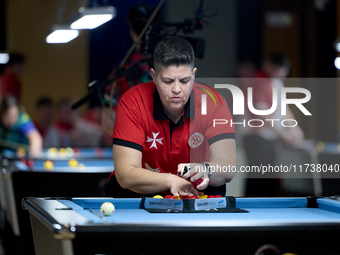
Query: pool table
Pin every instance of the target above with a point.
(305, 225)
(89, 153)
(18, 180)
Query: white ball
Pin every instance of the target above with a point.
(107, 208)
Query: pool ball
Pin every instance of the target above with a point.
(73, 163)
(197, 182)
(203, 197)
(107, 208)
(193, 197)
(30, 163)
(48, 165)
(21, 152)
(62, 153)
(186, 169)
(69, 152)
(76, 152)
(211, 196)
(52, 152)
(168, 197)
(99, 152)
(157, 196)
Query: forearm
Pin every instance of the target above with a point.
(222, 172)
(222, 162)
(35, 142)
(143, 181)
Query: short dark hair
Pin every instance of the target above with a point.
(43, 101)
(279, 59)
(7, 103)
(15, 58)
(173, 51)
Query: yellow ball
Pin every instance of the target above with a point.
(62, 153)
(157, 196)
(203, 197)
(48, 165)
(107, 208)
(21, 152)
(52, 152)
(73, 163)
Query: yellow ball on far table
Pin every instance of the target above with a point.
(73, 163)
(62, 153)
(48, 165)
(52, 152)
(21, 152)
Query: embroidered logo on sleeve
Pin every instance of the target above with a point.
(195, 140)
(154, 140)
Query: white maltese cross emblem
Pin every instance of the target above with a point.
(154, 140)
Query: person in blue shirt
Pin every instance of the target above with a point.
(17, 128)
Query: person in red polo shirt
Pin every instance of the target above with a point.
(10, 84)
(160, 127)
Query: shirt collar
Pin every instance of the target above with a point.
(159, 114)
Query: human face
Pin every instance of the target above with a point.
(10, 117)
(174, 85)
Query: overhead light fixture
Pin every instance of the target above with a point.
(4, 57)
(93, 17)
(62, 34)
(337, 63)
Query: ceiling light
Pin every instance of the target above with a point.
(4, 57)
(93, 17)
(61, 34)
(337, 62)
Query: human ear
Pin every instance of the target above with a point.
(153, 73)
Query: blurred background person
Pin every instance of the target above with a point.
(137, 18)
(16, 127)
(245, 68)
(259, 143)
(72, 130)
(44, 115)
(93, 116)
(10, 83)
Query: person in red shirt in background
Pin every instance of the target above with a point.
(72, 130)
(259, 142)
(93, 116)
(140, 73)
(44, 116)
(10, 84)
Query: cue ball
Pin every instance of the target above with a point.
(107, 208)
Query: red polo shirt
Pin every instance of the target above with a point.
(142, 124)
(10, 85)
